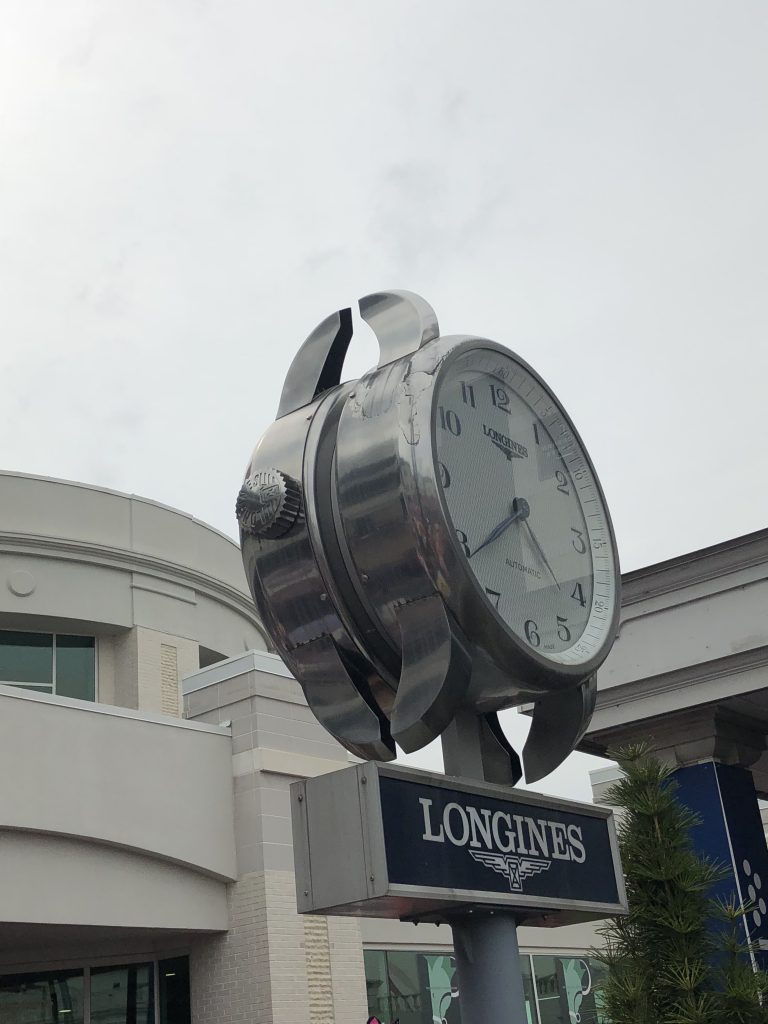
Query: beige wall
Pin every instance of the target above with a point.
(573, 939)
(53, 880)
(130, 814)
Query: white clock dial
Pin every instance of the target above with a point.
(525, 505)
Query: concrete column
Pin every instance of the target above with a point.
(274, 966)
(149, 666)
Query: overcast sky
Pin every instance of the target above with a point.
(187, 188)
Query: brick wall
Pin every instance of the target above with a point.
(169, 679)
(274, 966)
(229, 974)
(317, 955)
(347, 971)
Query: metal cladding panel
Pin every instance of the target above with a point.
(386, 841)
(301, 863)
(329, 841)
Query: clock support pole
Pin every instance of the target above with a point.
(488, 962)
(485, 941)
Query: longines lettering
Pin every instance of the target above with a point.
(500, 833)
(511, 448)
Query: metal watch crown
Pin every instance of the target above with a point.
(268, 504)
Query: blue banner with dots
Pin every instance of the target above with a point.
(732, 833)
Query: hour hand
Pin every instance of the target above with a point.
(520, 510)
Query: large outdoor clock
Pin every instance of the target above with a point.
(430, 544)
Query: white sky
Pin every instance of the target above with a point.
(187, 188)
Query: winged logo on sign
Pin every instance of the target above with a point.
(514, 869)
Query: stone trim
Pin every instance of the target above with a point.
(88, 553)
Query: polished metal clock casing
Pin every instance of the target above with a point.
(367, 593)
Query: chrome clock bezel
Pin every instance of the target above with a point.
(598, 527)
(442, 556)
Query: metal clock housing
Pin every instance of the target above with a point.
(370, 595)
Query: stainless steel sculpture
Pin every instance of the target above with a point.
(364, 582)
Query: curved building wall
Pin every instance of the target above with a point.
(116, 822)
(114, 818)
(163, 593)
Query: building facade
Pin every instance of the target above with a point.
(146, 867)
(332, 970)
(117, 843)
(148, 739)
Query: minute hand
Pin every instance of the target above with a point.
(541, 552)
(520, 510)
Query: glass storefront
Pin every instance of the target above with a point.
(412, 987)
(123, 995)
(116, 994)
(45, 998)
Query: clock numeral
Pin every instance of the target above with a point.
(562, 481)
(499, 397)
(463, 540)
(445, 476)
(493, 596)
(562, 629)
(450, 421)
(597, 543)
(531, 633)
(578, 541)
(578, 594)
(600, 605)
(467, 394)
(543, 438)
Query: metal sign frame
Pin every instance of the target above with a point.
(341, 863)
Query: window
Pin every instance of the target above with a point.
(119, 994)
(49, 663)
(376, 983)
(565, 987)
(423, 988)
(123, 995)
(48, 998)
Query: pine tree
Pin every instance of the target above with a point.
(741, 994)
(667, 962)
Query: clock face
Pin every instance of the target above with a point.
(525, 505)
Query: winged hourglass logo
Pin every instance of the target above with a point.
(514, 868)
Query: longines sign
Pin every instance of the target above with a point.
(395, 842)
